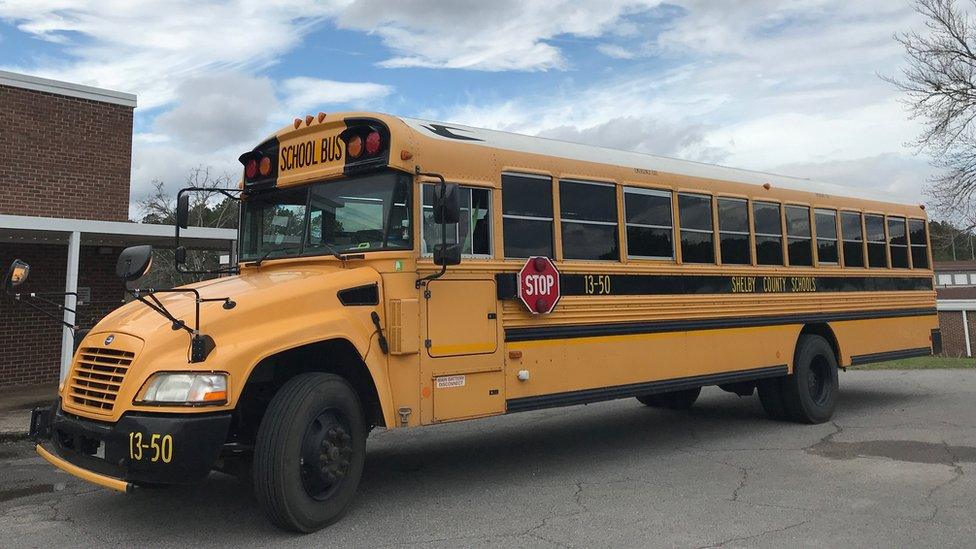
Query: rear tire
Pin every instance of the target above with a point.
(771, 397)
(674, 400)
(309, 453)
(810, 393)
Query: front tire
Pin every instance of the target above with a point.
(674, 400)
(309, 453)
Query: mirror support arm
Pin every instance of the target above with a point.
(423, 281)
(44, 311)
(229, 193)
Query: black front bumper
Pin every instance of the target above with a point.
(139, 448)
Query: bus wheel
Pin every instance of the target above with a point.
(675, 400)
(771, 397)
(810, 393)
(309, 452)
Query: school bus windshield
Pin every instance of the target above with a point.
(360, 214)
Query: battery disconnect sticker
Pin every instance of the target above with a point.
(446, 382)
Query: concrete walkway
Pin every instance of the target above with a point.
(16, 405)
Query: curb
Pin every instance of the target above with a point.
(13, 436)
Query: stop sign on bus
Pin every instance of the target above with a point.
(538, 285)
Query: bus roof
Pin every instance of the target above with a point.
(468, 135)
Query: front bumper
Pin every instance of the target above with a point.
(139, 448)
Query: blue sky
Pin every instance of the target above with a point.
(789, 86)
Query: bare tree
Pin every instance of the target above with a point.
(940, 84)
(207, 209)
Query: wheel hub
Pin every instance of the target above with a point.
(326, 454)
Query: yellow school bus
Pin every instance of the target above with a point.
(396, 272)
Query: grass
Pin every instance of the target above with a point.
(921, 363)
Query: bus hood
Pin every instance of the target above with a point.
(269, 303)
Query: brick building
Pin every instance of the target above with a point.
(65, 164)
(955, 286)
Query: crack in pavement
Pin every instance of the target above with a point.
(743, 479)
(723, 543)
(957, 473)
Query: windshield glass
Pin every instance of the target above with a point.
(360, 214)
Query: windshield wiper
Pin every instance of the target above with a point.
(329, 247)
(339, 255)
(257, 262)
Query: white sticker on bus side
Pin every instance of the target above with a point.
(446, 382)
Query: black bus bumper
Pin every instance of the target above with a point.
(139, 448)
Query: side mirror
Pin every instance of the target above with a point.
(447, 254)
(134, 262)
(447, 204)
(180, 255)
(182, 211)
(16, 274)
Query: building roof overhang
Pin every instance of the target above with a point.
(55, 230)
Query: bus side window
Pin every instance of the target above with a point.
(695, 219)
(898, 242)
(649, 223)
(877, 244)
(474, 229)
(733, 229)
(527, 215)
(588, 220)
(769, 233)
(798, 238)
(853, 235)
(920, 252)
(826, 223)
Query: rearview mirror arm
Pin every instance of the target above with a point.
(229, 193)
(42, 310)
(423, 281)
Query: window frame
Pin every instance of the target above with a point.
(662, 193)
(756, 234)
(863, 240)
(907, 245)
(556, 250)
(676, 212)
(884, 240)
(491, 221)
(835, 239)
(924, 245)
(787, 236)
(748, 232)
(562, 220)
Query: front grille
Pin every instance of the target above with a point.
(97, 376)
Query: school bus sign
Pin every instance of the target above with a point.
(538, 285)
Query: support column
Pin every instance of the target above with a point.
(70, 302)
(965, 332)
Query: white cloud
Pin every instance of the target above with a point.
(617, 52)
(761, 84)
(492, 36)
(149, 47)
(214, 111)
(304, 94)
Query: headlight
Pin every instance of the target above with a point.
(184, 389)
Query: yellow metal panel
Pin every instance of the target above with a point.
(468, 395)
(404, 326)
(460, 318)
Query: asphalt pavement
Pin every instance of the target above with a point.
(896, 468)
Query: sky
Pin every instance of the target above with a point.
(788, 86)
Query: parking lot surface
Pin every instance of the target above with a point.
(897, 467)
